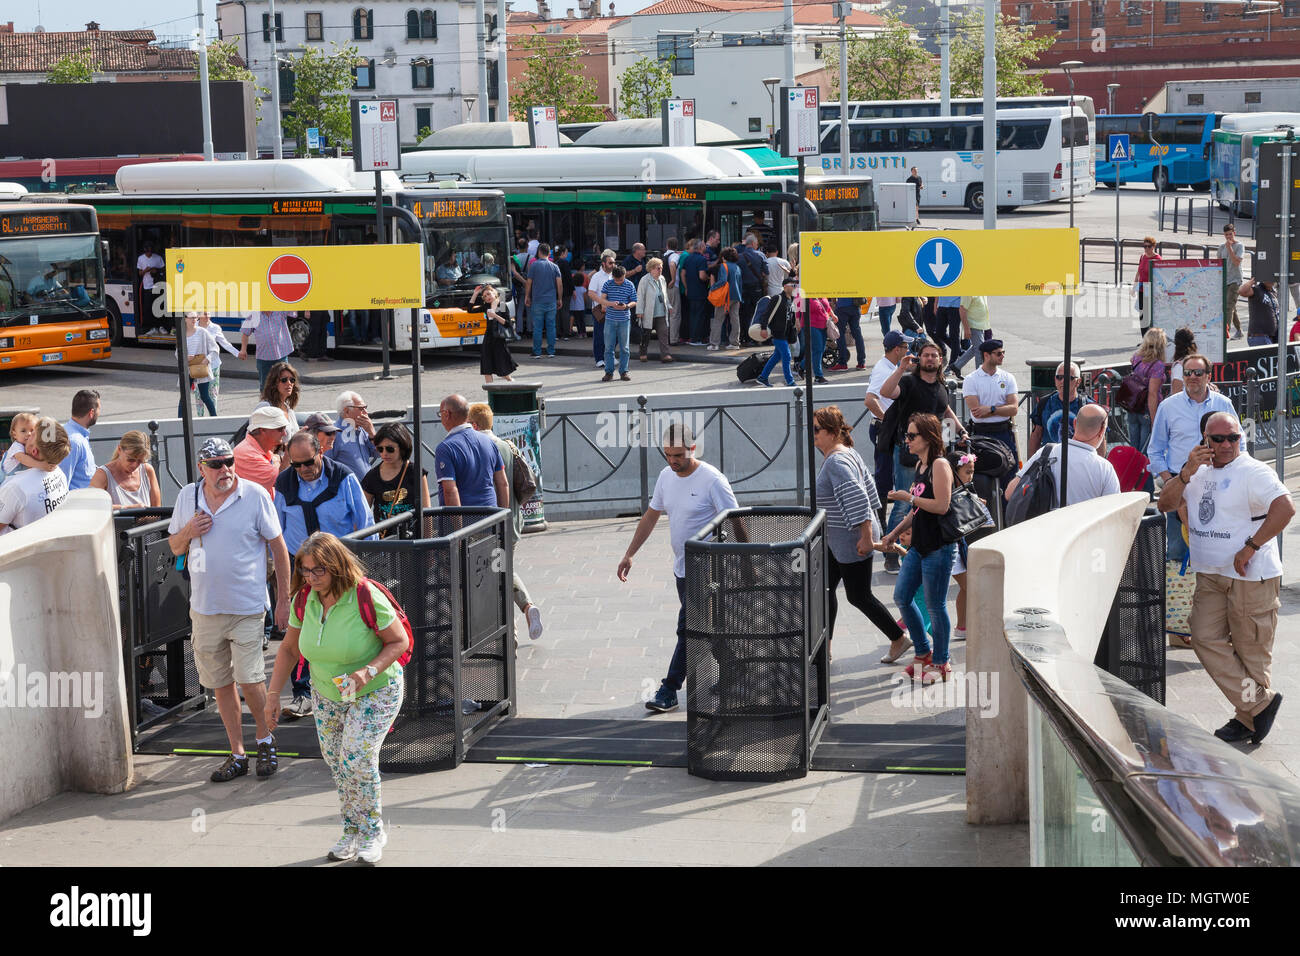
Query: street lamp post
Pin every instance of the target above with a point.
(1111, 90)
(772, 82)
(469, 108)
(1068, 66)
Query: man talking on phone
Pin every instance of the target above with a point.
(1236, 507)
(1177, 430)
(354, 445)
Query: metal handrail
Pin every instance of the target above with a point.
(701, 542)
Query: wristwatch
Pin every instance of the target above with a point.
(371, 671)
(1251, 544)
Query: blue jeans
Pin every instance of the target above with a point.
(886, 317)
(543, 317)
(264, 369)
(205, 396)
(977, 337)
(904, 475)
(780, 353)
(701, 311)
(1139, 431)
(677, 666)
(617, 332)
(851, 325)
(1175, 546)
(1259, 340)
(816, 352)
(931, 573)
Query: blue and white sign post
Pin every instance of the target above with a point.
(939, 262)
(1119, 149)
(313, 139)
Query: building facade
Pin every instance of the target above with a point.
(722, 50)
(582, 21)
(1143, 46)
(119, 56)
(419, 53)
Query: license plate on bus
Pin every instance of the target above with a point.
(52, 357)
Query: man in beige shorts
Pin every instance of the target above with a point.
(223, 525)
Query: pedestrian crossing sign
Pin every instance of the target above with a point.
(1120, 150)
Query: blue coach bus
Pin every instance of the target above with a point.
(1184, 156)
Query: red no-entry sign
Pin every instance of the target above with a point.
(289, 278)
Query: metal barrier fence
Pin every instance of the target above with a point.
(1129, 251)
(1133, 643)
(1182, 202)
(454, 582)
(154, 598)
(757, 648)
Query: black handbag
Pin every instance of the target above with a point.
(966, 513)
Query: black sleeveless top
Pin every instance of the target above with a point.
(925, 525)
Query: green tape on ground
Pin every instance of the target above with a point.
(223, 753)
(632, 763)
(926, 769)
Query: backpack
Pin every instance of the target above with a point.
(992, 457)
(720, 294)
(287, 484)
(523, 480)
(1036, 494)
(763, 309)
(366, 604)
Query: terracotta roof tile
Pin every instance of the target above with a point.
(115, 51)
(804, 13)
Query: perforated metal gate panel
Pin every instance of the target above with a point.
(1133, 643)
(755, 645)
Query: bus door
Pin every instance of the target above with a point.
(151, 319)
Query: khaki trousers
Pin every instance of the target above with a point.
(1232, 625)
(674, 310)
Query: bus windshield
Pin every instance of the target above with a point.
(461, 257)
(48, 274)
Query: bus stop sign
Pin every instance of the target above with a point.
(1119, 148)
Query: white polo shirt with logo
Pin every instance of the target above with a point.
(992, 390)
(1224, 507)
(228, 564)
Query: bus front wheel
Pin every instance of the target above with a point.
(975, 198)
(1201, 187)
(114, 322)
(1160, 179)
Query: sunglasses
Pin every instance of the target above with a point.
(216, 464)
(390, 449)
(287, 378)
(1000, 352)
(817, 428)
(1061, 378)
(1195, 372)
(1220, 439)
(911, 436)
(302, 464)
(312, 572)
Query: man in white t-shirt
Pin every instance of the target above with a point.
(692, 493)
(777, 269)
(1235, 509)
(991, 397)
(32, 494)
(150, 267)
(1091, 475)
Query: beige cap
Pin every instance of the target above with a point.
(267, 416)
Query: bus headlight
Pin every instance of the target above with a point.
(95, 334)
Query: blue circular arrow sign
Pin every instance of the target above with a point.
(938, 262)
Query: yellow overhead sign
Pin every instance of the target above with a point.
(275, 278)
(972, 262)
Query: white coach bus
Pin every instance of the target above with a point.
(1036, 150)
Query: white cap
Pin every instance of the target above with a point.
(268, 416)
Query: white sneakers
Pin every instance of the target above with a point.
(534, 623)
(371, 851)
(345, 849)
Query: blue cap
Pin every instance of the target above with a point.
(893, 339)
(991, 345)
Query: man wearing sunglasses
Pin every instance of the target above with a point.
(314, 494)
(1177, 430)
(222, 526)
(1236, 507)
(992, 397)
(1045, 420)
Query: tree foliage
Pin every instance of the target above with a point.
(553, 78)
(73, 68)
(1015, 48)
(889, 65)
(921, 15)
(225, 63)
(645, 84)
(322, 88)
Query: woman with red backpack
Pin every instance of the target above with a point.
(355, 636)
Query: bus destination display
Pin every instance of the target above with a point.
(448, 211)
(298, 207)
(830, 194)
(669, 193)
(44, 223)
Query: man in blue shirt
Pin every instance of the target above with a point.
(314, 494)
(542, 292)
(470, 471)
(1177, 430)
(616, 295)
(354, 444)
(79, 466)
(695, 282)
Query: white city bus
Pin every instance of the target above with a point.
(1036, 150)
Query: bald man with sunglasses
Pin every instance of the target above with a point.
(1236, 507)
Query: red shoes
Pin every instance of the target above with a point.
(919, 665)
(935, 673)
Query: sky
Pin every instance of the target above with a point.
(122, 15)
